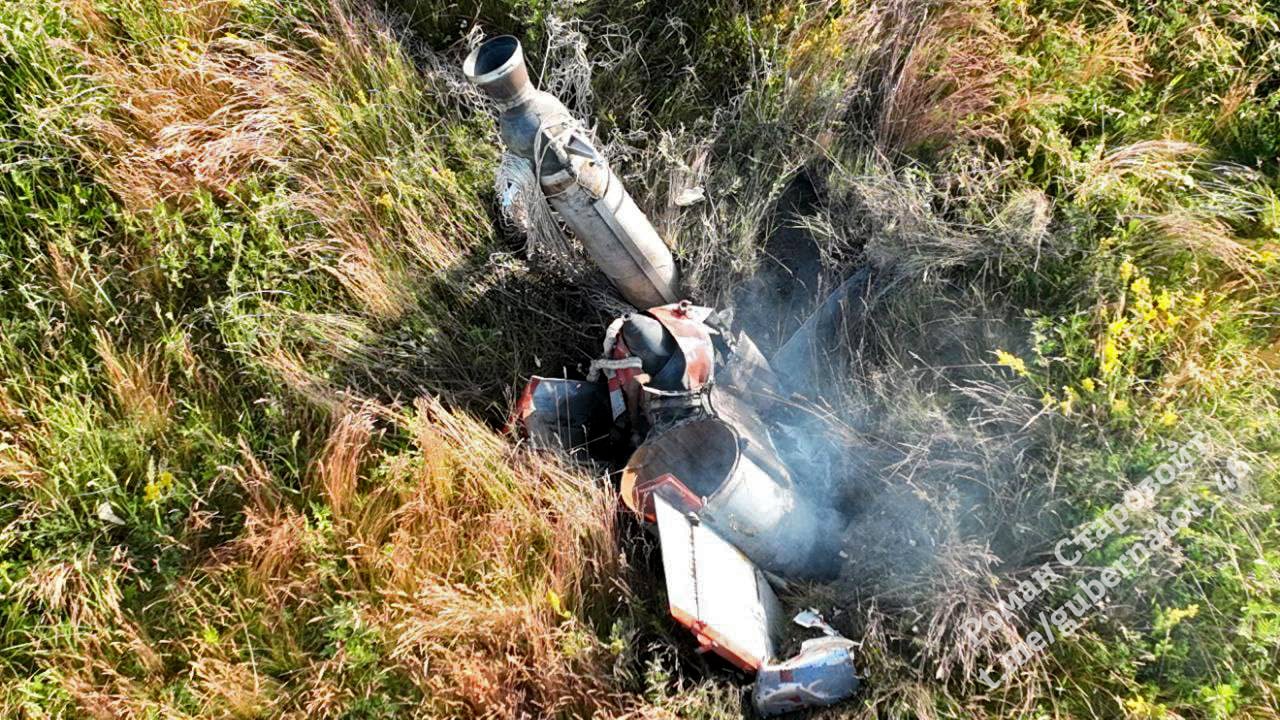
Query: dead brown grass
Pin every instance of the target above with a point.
(137, 383)
(478, 565)
(475, 568)
(203, 111)
(948, 79)
(70, 279)
(1112, 51)
(1181, 231)
(17, 466)
(338, 469)
(1150, 161)
(233, 689)
(197, 114)
(465, 510)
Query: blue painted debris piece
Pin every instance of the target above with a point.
(822, 673)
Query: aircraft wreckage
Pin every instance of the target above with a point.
(690, 396)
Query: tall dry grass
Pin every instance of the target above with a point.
(411, 561)
(472, 573)
(202, 110)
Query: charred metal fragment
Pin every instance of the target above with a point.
(560, 414)
(806, 357)
(747, 495)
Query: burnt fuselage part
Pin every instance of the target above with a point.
(575, 177)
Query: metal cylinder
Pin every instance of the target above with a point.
(747, 494)
(575, 177)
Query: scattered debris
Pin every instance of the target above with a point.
(812, 620)
(822, 673)
(690, 196)
(107, 514)
(561, 414)
(678, 398)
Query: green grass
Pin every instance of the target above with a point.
(261, 323)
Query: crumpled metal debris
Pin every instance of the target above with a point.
(708, 479)
(561, 414)
(812, 620)
(681, 398)
(713, 589)
(822, 673)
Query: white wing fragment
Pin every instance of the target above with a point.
(724, 599)
(715, 591)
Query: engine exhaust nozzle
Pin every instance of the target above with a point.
(497, 67)
(574, 176)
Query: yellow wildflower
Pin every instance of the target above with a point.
(553, 599)
(1110, 356)
(1088, 385)
(1117, 327)
(1068, 400)
(1011, 361)
(1143, 708)
(1164, 301)
(1126, 270)
(1197, 299)
(1168, 418)
(1048, 400)
(1141, 286)
(158, 487)
(1177, 615)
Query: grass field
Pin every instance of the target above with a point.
(262, 318)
